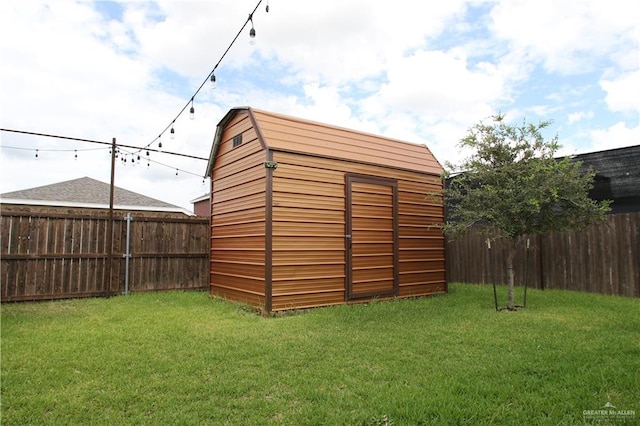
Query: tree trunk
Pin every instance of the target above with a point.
(511, 275)
(510, 302)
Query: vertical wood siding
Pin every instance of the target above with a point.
(51, 255)
(238, 215)
(604, 258)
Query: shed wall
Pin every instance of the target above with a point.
(309, 230)
(238, 215)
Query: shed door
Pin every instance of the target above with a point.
(371, 237)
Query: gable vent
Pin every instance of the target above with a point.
(237, 140)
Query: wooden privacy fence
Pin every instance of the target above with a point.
(604, 259)
(52, 255)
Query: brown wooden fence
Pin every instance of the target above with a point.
(49, 255)
(602, 259)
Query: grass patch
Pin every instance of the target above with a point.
(184, 358)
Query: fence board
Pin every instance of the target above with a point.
(48, 255)
(604, 258)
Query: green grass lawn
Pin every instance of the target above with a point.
(185, 358)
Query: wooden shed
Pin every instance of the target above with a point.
(306, 214)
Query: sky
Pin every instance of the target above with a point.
(418, 71)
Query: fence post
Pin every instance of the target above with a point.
(110, 221)
(526, 272)
(127, 254)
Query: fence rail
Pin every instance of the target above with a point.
(604, 259)
(48, 255)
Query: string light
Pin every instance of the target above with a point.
(38, 150)
(124, 155)
(211, 77)
(177, 170)
(213, 81)
(252, 32)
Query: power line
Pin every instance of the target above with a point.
(48, 135)
(210, 77)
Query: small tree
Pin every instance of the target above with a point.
(513, 185)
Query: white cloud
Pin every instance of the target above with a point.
(336, 41)
(623, 93)
(569, 36)
(616, 136)
(67, 76)
(437, 84)
(422, 72)
(575, 117)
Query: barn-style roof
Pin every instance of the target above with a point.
(286, 133)
(86, 192)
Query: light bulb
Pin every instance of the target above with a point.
(192, 111)
(252, 35)
(172, 133)
(213, 81)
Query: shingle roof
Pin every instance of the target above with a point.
(617, 176)
(86, 191)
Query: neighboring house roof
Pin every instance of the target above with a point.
(87, 192)
(617, 176)
(284, 133)
(203, 197)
